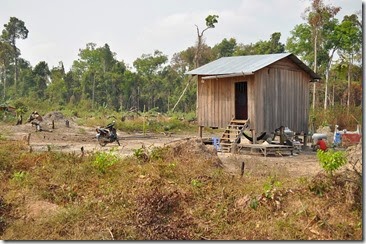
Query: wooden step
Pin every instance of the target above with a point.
(229, 134)
(239, 121)
(225, 143)
(231, 129)
(236, 126)
(232, 133)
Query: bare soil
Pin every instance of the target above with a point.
(71, 139)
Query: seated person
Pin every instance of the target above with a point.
(321, 145)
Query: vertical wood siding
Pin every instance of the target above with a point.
(216, 100)
(281, 99)
(277, 95)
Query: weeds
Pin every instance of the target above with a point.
(179, 194)
(331, 160)
(19, 176)
(141, 154)
(104, 160)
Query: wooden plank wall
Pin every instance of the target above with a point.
(277, 95)
(216, 100)
(281, 98)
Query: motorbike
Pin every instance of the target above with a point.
(107, 135)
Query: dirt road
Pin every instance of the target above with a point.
(73, 138)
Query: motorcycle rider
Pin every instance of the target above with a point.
(35, 119)
(112, 130)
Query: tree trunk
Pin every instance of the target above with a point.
(198, 53)
(315, 66)
(184, 91)
(327, 79)
(198, 49)
(333, 95)
(15, 74)
(4, 81)
(93, 91)
(349, 81)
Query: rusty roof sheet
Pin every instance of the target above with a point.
(247, 65)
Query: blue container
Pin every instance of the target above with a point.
(337, 139)
(216, 143)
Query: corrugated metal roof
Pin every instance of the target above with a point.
(246, 65)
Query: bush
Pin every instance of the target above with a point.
(104, 160)
(331, 160)
(336, 116)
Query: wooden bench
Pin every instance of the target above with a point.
(265, 149)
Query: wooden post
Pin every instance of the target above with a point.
(28, 139)
(254, 136)
(282, 136)
(200, 131)
(242, 169)
(53, 124)
(234, 148)
(305, 140)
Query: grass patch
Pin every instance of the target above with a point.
(174, 193)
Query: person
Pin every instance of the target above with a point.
(321, 145)
(35, 120)
(37, 116)
(110, 125)
(112, 130)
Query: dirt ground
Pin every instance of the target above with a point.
(73, 138)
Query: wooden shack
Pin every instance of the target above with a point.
(271, 90)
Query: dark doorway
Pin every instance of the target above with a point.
(241, 100)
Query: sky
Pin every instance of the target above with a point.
(131, 28)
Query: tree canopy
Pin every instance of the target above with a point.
(97, 79)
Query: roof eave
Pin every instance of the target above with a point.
(227, 75)
(314, 76)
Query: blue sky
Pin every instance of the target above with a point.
(58, 29)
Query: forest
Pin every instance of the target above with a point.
(332, 47)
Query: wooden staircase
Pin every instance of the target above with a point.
(232, 134)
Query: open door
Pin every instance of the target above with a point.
(241, 100)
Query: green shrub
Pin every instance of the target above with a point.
(271, 186)
(104, 160)
(19, 176)
(331, 160)
(196, 183)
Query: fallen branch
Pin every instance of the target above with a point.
(184, 91)
(184, 139)
(110, 232)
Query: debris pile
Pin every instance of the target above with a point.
(160, 215)
(57, 117)
(354, 157)
(326, 130)
(195, 148)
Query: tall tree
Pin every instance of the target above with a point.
(148, 68)
(350, 32)
(317, 15)
(331, 45)
(273, 45)
(5, 56)
(88, 66)
(299, 44)
(211, 20)
(41, 76)
(225, 48)
(56, 91)
(14, 30)
(26, 82)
